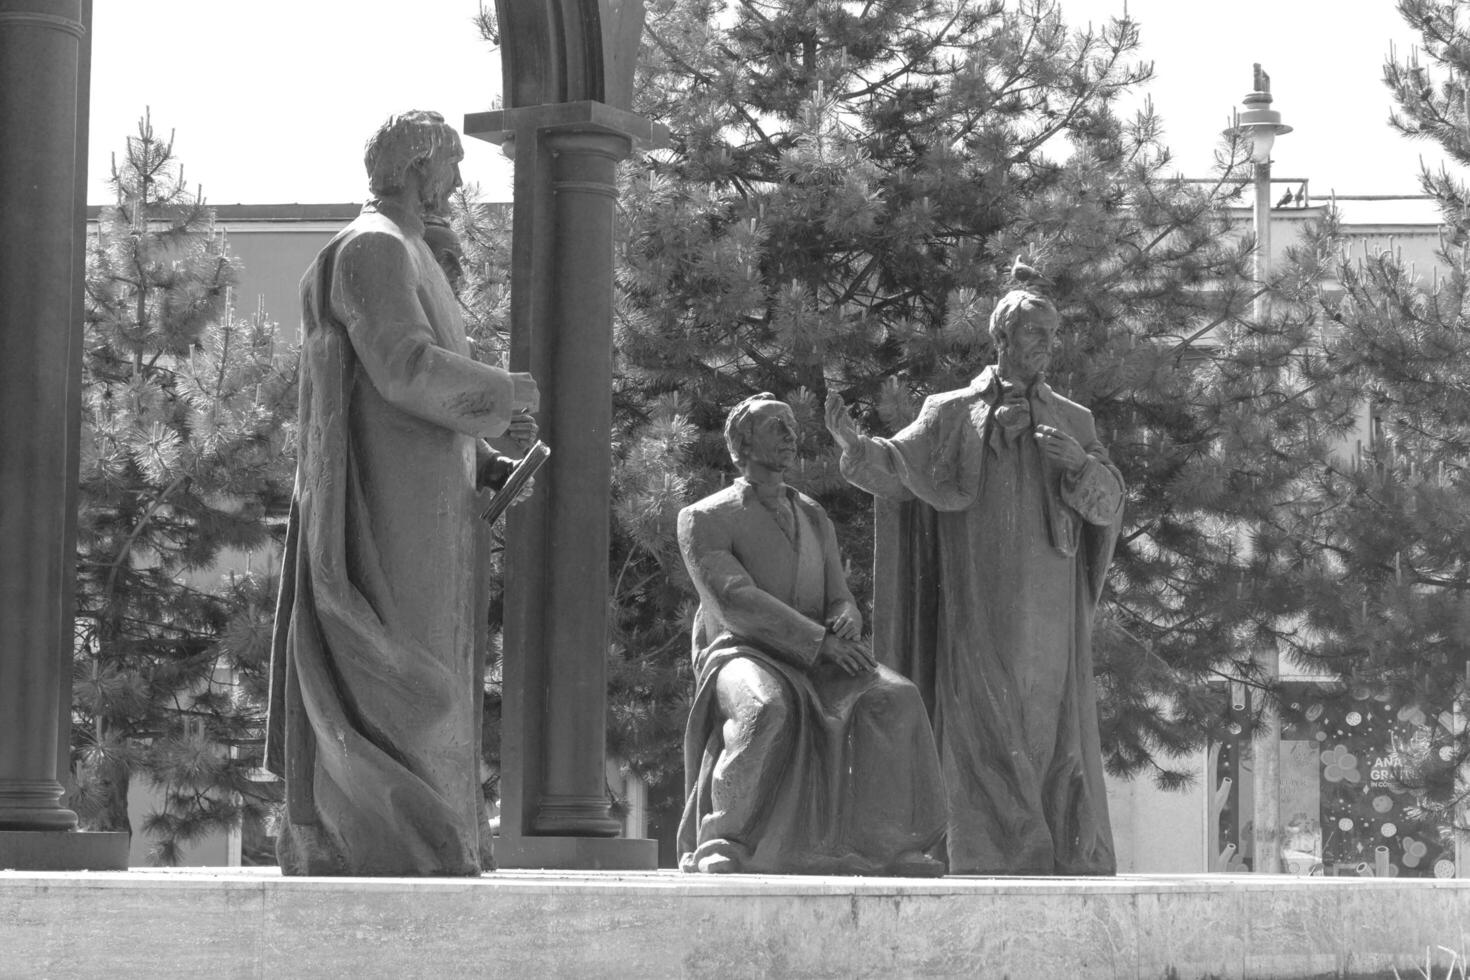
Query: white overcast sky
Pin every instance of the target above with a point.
(271, 100)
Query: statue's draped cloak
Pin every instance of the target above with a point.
(988, 568)
(858, 784)
(374, 721)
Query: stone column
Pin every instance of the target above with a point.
(40, 48)
(555, 811)
(574, 365)
(43, 72)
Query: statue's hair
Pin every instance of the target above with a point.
(1009, 310)
(403, 141)
(738, 424)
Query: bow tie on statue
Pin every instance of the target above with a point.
(1012, 416)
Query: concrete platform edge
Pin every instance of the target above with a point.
(254, 923)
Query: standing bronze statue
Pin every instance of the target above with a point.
(374, 723)
(802, 754)
(1013, 512)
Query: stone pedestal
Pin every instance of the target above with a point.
(44, 850)
(553, 742)
(250, 923)
(44, 57)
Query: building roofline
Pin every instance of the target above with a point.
(268, 212)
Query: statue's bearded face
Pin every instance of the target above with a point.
(1028, 348)
(440, 178)
(771, 443)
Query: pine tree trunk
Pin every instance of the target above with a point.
(106, 788)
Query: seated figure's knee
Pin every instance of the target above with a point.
(765, 710)
(754, 702)
(891, 693)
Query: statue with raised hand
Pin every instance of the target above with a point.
(989, 571)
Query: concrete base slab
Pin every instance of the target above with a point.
(255, 924)
(63, 850)
(576, 853)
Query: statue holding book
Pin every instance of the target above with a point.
(374, 722)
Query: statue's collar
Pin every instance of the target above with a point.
(987, 381)
(403, 217)
(750, 492)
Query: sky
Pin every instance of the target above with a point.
(272, 100)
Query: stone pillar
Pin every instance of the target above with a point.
(574, 365)
(554, 802)
(43, 71)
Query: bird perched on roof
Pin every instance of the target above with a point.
(1285, 199)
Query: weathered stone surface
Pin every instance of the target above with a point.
(256, 924)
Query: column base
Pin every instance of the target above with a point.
(576, 816)
(577, 853)
(34, 804)
(65, 850)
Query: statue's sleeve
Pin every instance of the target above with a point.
(374, 292)
(1095, 492)
(744, 609)
(922, 460)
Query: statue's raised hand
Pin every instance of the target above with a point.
(840, 424)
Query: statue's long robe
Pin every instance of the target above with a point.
(985, 588)
(374, 722)
(857, 784)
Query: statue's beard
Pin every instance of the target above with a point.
(434, 200)
(1024, 368)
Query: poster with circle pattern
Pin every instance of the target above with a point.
(1382, 771)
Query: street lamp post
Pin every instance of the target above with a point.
(1260, 125)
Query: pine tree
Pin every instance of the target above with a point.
(186, 415)
(1380, 543)
(843, 197)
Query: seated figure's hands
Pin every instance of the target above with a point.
(840, 424)
(852, 656)
(846, 623)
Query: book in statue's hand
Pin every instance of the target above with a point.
(525, 468)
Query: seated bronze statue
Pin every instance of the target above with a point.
(802, 754)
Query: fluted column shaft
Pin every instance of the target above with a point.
(42, 65)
